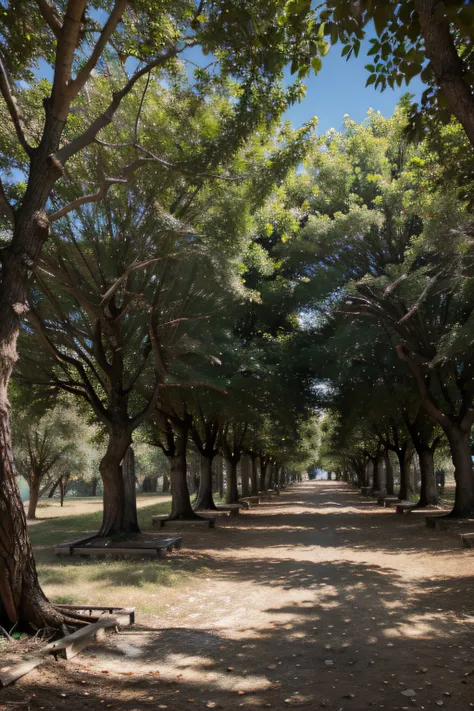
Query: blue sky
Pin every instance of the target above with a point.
(339, 89)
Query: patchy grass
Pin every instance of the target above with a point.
(78, 505)
(139, 583)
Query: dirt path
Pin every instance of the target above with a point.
(317, 599)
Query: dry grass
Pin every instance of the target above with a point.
(140, 583)
(77, 506)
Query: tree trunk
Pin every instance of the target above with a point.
(407, 488)
(379, 475)
(20, 592)
(63, 487)
(113, 519)
(220, 477)
(166, 483)
(446, 63)
(130, 515)
(21, 596)
(263, 474)
(463, 474)
(428, 493)
(34, 496)
(205, 500)
(150, 484)
(181, 504)
(245, 474)
(253, 475)
(94, 484)
(389, 485)
(52, 491)
(232, 492)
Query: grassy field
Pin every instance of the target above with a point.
(139, 583)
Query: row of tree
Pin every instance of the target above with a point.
(162, 268)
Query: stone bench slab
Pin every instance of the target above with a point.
(160, 521)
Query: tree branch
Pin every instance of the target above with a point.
(426, 401)
(9, 99)
(5, 207)
(84, 73)
(105, 118)
(66, 47)
(50, 17)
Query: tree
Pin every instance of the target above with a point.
(45, 444)
(427, 38)
(75, 45)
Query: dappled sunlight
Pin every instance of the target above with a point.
(280, 604)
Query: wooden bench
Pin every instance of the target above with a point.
(160, 521)
(133, 549)
(66, 548)
(123, 615)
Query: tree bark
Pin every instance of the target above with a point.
(446, 63)
(20, 593)
(407, 488)
(245, 474)
(34, 496)
(181, 504)
(52, 490)
(220, 476)
(232, 492)
(130, 516)
(166, 483)
(389, 484)
(113, 518)
(254, 475)
(205, 499)
(63, 487)
(463, 474)
(428, 492)
(150, 484)
(263, 474)
(379, 474)
(94, 484)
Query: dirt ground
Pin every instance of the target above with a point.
(318, 599)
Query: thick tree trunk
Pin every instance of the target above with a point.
(448, 68)
(33, 498)
(407, 487)
(130, 516)
(253, 475)
(204, 499)
(181, 504)
(166, 484)
(389, 485)
(245, 467)
(150, 484)
(379, 474)
(113, 518)
(463, 474)
(21, 596)
(281, 477)
(428, 493)
(232, 492)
